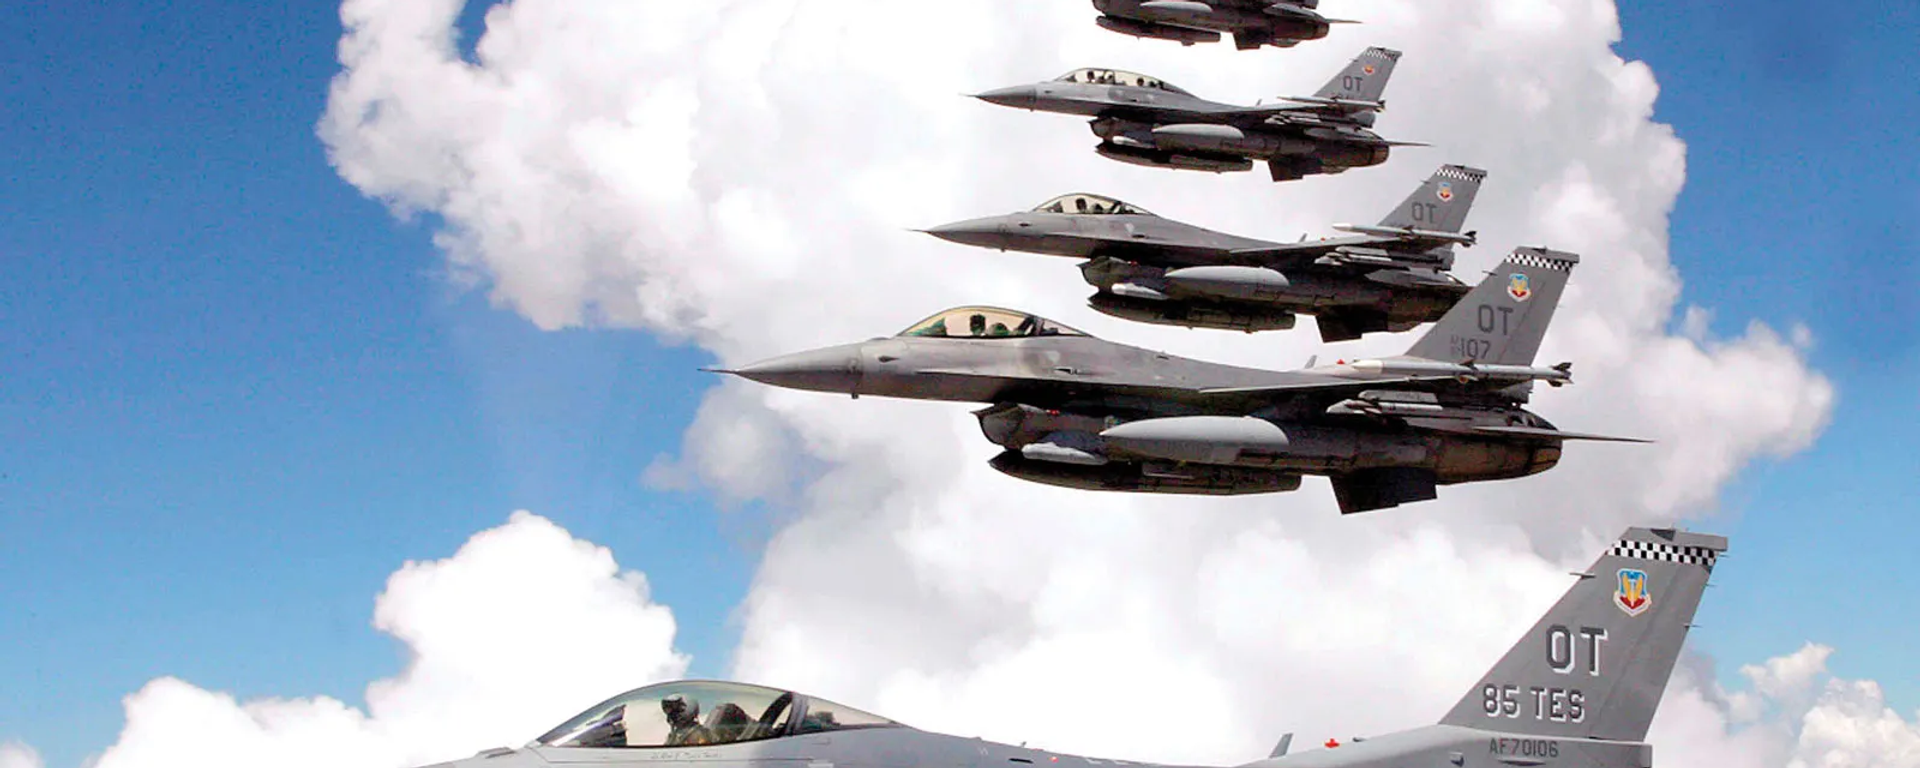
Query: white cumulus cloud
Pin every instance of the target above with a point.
(14, 754)
(521, 628)
(742, 175)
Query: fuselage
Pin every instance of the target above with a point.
(889, 747)
(1143, 267)
(1142, 120)
(1248, 20)
(1081, 411)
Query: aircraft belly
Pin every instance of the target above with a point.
(1466, 459)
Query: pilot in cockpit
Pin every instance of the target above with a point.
(684, 717)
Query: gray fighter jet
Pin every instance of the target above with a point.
(1077, 411)
(1253, 23)
(1147, 121)
(1388, 277)
(1578, 690)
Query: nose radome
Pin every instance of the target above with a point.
(1020, 96)
(984, 232)
(833, 369)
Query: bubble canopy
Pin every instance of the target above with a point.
(692, 713)
(1100, 76)
(986, 323)
(1090, 204)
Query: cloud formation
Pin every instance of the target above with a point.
(741, 175)
(483, 672)
(14, 754)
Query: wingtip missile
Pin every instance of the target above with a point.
(1466, 238)
(1329, 101)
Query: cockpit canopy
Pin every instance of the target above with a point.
(986, 323)
(703, 713)
(1098, 76)
(1081, 202)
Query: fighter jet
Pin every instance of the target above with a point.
(1388, 277)
(1253, 23)
(1580, 688)
(1147, 121)
(1077, 411)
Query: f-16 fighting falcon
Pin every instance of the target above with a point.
(1253, 23)
(1579, 690)
(1388, 277)
(1147, 121)
(1076, 411)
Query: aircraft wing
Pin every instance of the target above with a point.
(1317, 386)
(1309, 250)
(1555, 434)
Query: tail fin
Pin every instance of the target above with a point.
(1442, 203)
(1502, 320)
(1364, 79)
(1594, 667)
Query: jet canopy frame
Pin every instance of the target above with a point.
(1105, 76)
(1090, 204)
(690, 713)
(984, 322)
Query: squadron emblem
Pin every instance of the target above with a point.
(1444, 191)
(1367, 68)
(1519, 287)
(1631, 593)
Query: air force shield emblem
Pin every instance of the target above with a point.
(1444, 191)
(1631, 594)
(1519, 287)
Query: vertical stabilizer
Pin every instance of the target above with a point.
(1442, 203)
(1502, 320)
(1364, 79)
(1595, 666)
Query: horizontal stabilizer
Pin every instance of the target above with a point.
(1555, 434)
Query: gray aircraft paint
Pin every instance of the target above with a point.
(1364, 79)
(1252, 23)
(1504, 318)
(1082, 412)
(1612, 640)
(1146, 121)
(1353, 284)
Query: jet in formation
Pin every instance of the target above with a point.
(1147, 121)
(1253, 23)
(1580, 688)
(1389, 277)
(1076, 411)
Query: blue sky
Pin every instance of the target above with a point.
(235, 395)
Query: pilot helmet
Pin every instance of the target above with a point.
(679, 709)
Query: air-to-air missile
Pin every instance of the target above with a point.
(1388, 277)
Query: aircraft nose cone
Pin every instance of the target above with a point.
(985, 233)
(834, 369)
(1021, 96)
